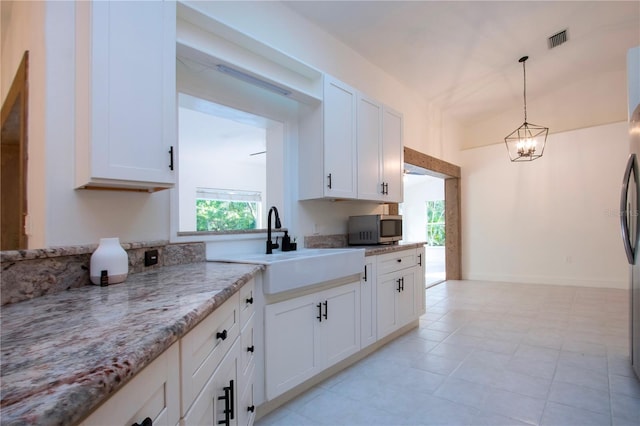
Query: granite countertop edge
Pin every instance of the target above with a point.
(390, 248)
(72, 391)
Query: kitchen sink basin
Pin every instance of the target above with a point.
(301, 268)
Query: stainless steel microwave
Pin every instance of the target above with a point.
(374, 229)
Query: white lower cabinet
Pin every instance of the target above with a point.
(395, 301)
(400, 289)
(420, 297)
(307, 334)
(247, 366)
(207, 378)
(246, 404)
(368, 307)
(152, 394)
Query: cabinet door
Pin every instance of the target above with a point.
(218, 400)
(340, 325)
(369, 137)
(421, 302)
(340, 155)
(291, 343)
(368, 321)
(246, 407)
(405, 299)
(387, 305)
(126, 93)
(392, 155)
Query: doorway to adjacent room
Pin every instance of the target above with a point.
(451, 175)
(423, 213)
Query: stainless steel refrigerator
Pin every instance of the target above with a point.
(629, 207)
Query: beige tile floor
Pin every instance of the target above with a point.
(490, 354)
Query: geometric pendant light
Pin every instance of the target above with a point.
(527, 142)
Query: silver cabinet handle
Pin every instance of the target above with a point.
(632, 167)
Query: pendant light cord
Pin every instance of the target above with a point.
(524, 73)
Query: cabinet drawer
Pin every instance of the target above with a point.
(247, 302)
(152, 393)
(247, 354)
(203, 348)
(397, 261)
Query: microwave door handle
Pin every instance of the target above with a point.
(624, 225)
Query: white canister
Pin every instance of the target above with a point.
(109, 257)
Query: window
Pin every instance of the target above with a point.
(231, 139)
(435, 223)
(220, 148)
(227, 210)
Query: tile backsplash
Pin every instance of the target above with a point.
(32, 273)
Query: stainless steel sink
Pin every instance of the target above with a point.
(301, 268)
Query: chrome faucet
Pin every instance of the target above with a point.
(278, 225)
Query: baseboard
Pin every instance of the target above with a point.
(573, 282)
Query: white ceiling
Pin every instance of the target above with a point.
(236, 136)
(463, 55)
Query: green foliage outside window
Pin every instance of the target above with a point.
(219, 215)
(435, 223)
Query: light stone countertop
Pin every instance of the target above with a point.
(375, 250)
(63, 354)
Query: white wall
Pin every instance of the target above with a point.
(64, 216)
(60, 215)
(276, 25)
(551, 221)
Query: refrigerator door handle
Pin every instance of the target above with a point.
(632, 166)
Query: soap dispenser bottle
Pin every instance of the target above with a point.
(286, 242)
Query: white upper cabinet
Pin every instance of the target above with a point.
(392, 155)
(350, 147)
(340, 139)
(125, 94)
(370, 183)
(328, 152)
(380, 155)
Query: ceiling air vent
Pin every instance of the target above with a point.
(557, 39)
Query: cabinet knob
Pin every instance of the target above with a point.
(249, 300)
(251, 408)
(398, 260)
(250, 348)
(221, 334)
